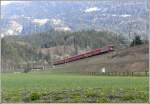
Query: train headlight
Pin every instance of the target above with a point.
(111, 48)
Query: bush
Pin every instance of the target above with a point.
(34, 96)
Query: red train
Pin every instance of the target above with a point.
(86, 55)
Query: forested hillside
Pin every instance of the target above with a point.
(23, 49)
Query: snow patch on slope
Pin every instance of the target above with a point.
(40, 21)
(93, 9)
(62, 28)
(57, 21)
(15, 26)
(125, 15)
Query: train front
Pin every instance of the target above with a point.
(111, 47)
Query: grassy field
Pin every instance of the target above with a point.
(60, 87)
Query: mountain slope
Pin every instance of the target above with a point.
(111, 15)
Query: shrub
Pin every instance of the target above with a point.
(34, 96)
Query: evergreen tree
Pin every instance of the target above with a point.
(136, 41)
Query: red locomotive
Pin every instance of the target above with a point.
(95, 52)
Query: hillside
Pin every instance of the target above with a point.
(38, 47)
(133, 59)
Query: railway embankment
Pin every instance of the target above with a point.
(132, 59)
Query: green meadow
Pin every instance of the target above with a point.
(53, 87)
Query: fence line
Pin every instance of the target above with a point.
(146, 73)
